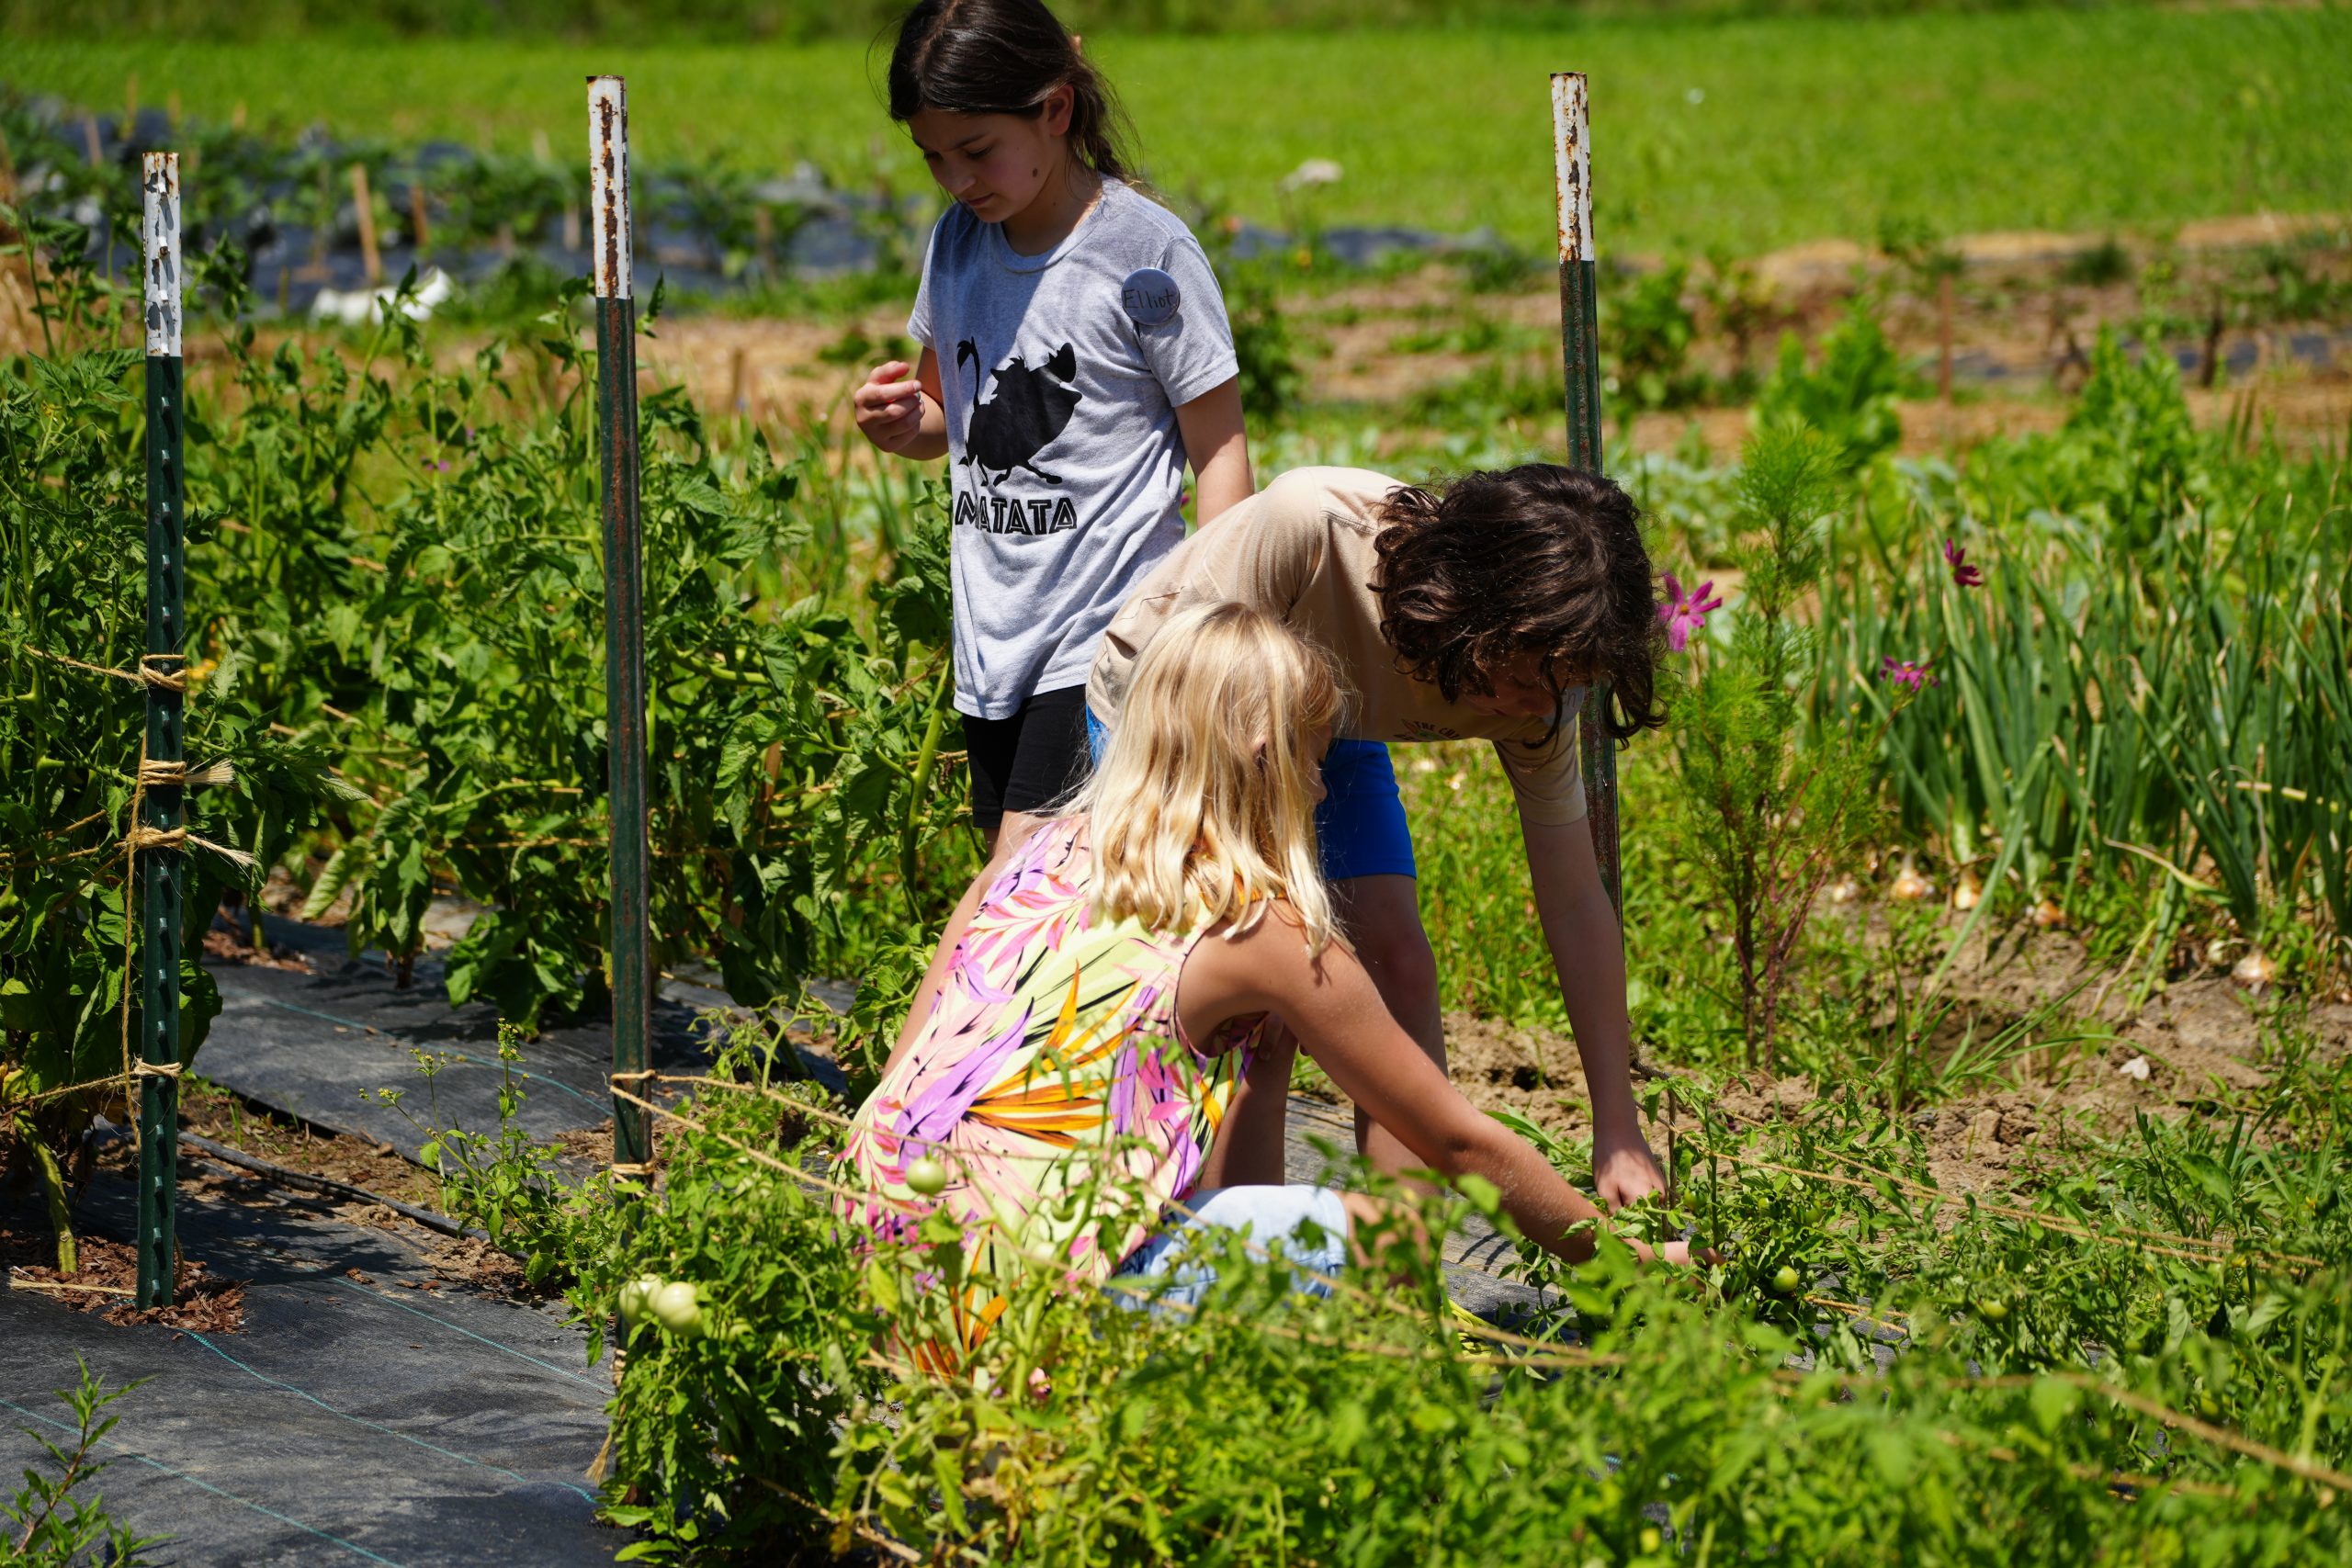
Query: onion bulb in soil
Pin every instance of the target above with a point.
(1909, 885)
(2255, 970)
(1967, 893)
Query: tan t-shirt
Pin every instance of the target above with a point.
(1302, 548)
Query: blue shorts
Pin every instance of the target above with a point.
(1361, 824)
(1311, 1223)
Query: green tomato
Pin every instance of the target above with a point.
(1786, 1280)
(677, 1306)
(635, 1296)
(1651, 1539)
(1993, 1309)
(928, 1177)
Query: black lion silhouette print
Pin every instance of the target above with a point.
(1030, 406)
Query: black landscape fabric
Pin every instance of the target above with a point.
(316, 1046)
(355, 1419)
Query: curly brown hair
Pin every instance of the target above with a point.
(1496, 565)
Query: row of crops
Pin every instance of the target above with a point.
(396, 598)
(396, 644)
(305, 212)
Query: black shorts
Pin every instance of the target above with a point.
(1027, 763)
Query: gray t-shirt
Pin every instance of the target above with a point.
(1060, 374)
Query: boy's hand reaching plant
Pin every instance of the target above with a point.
(1623, 1169)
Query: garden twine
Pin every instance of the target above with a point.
(164, 672)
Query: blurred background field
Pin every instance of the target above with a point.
(1750, 133)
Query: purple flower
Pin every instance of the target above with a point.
(1903, 672)
(1963, 574)
(1685, 613)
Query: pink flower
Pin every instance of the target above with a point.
(1963, 574)
(1903, 672)
(1684, 614)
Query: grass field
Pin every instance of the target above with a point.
(1749, 135)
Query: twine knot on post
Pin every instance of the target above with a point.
(156, 774)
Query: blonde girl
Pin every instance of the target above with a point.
(1098, 1007)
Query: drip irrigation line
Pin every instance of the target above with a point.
(327, 1186)
(128, 1452)
(587, 1497)
(453, 1056)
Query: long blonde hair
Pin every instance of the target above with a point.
(1201, 809)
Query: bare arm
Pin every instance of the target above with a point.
(1219, 449)
(1331, 1005)
(902, 415)
(1588, 954)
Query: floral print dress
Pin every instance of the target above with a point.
(1051, 1080)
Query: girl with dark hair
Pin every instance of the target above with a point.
(1482, 608)
(1076, 357)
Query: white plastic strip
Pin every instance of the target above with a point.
(1572, 165)
(608, 185)
(159, 245)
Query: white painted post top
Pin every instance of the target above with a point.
(158, 247)
(608, 185)
(1572, 165)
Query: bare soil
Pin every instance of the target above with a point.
(2198, 1042)
(2015, 309)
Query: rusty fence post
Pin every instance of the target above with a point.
(617, 468)
(162, 869)
(1580, 361)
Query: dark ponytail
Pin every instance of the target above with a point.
(1003, 57)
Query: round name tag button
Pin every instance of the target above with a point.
(1150, 297)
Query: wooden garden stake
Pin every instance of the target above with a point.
(162, 867)
(624, 614)
(1580, 361)
(370, 256)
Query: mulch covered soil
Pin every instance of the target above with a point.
(250, 1127)
(107, 1281)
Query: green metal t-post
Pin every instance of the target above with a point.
(1580, 359)
(161, 871)
(616, 468)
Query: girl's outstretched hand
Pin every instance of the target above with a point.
(889, 406)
